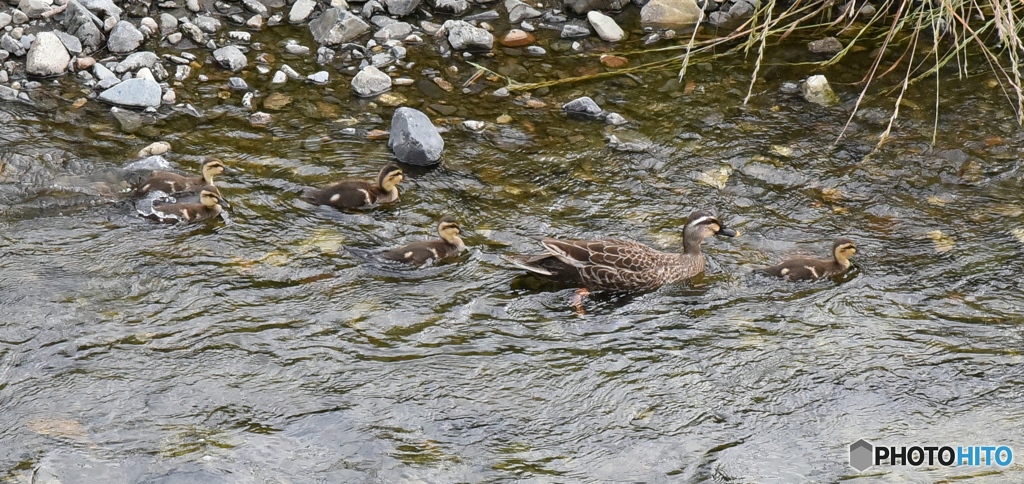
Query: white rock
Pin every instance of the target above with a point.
(301, 11)
(670, 12)
(816, 90)
(158, 148)
(605, 26)
(48, 56)
(370, 82)
(279, 78)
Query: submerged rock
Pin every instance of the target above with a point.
(828, 45)
(414, 139)
(231, 58)
(336, 26)
(583, 105)
(670, 12)
(581, 7)
(139, 93)
(48, 56)
(817, 90)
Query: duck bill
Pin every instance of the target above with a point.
(728, 232)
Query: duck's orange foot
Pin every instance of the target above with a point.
(577, 300)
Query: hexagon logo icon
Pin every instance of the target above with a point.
(860, 454)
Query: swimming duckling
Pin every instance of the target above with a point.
(418, 253)
(810, 269)
(349, 194)
(624, 265)
(209, 207)
(169, 182)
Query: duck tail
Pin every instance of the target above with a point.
(529, 263)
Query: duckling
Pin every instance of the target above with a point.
(418, 253)
(189, 212)
(169, 182)
(349, 194)
(810, 269)
(624, 265)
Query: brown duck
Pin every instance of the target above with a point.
(418, 253)
(810, 269)
(209, 207)
(624, 265)
(350, 194)
(170, 183)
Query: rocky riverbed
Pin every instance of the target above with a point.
(156, 57)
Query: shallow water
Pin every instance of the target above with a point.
(257, 349)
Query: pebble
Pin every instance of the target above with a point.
(279, 78)
(296, 49)
(571, 31)
(240, 35)
(474, 125)
(237, 83)
(134, 93)
(582, 105)
(258, 119)
(504, 119)
(615, 119)
(231, 58)
(613, 61)
(276, 101)
(516, 38)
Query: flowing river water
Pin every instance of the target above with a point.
(257, 349)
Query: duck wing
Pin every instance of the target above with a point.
(612, 254)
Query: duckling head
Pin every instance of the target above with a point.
(843, 249)
(390, 176)
(449, 230)
(211, 168)
(209, 199)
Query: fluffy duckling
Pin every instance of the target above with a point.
(810, 269)
(169, 182)
(209, 207)
(418, 253)
(349, 194)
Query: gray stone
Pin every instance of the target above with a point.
(124, 38)
(463, 35)
(828, 45)
(519, 11)
(107, 83)
(581, 7)
(3, 76)
(396, 30)
(583, 105)
(719, 18)
(10, 45)
(605, 26)
(237, 83)
(296, 49)
(207, 24)
(5, 19)
(174, 38)
(48, 56)
(168, 23)
(535, 51)
(19, 17)
(139, 93)
(193, 32)
(816, 90)
(401, 8)
(324, 55)
(8, 93)
(301, 11)
(742, 9)
(136, 61)
(370, 81)
(182, 72)
(279, 78)
(572, 31)
(287, 69)
(336, 26)
(231, 58)
(240, 35)
(91, 36)
(34, 8)
(450, 7)
(71, 43)
(615, 119)
(670, 12)
(255, 7)
(105, 7)
(101, 72)
(414, 139)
